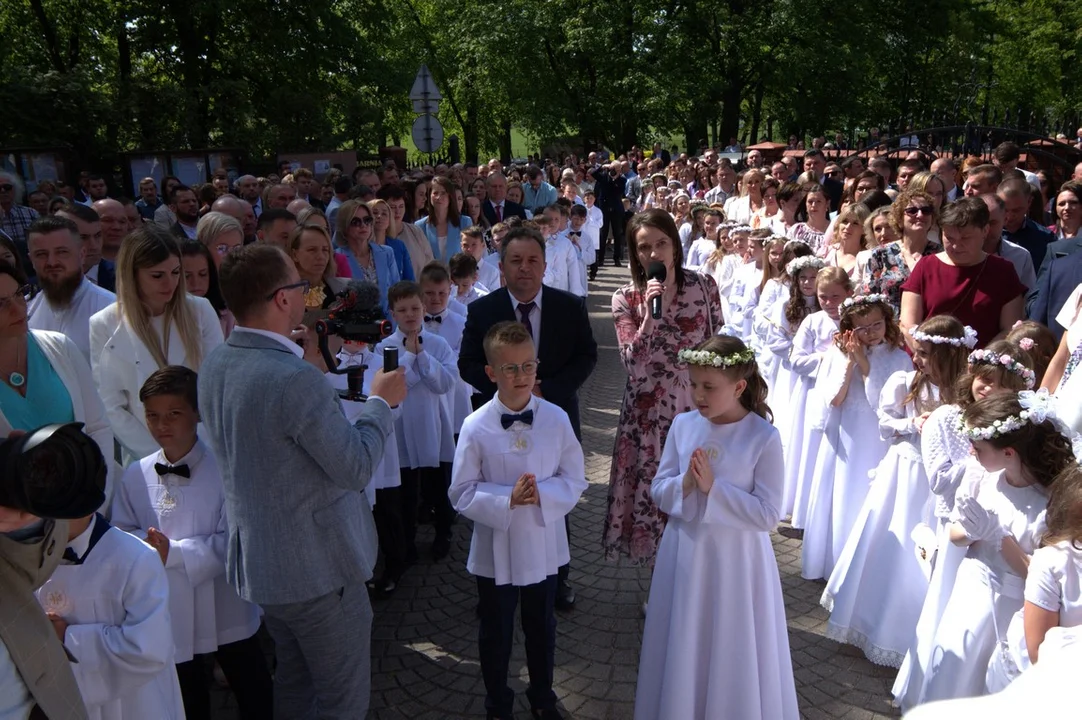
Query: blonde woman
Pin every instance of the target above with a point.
(848, 241)
(741, 209)
(382, 217)
(220, 233)
(310, 249)
(878, 232)
(153, 323)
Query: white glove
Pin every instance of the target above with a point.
(979, 522)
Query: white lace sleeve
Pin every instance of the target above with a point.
(895, 417)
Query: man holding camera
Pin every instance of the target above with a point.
(302, 539)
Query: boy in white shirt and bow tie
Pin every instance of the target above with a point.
(425, 426)
(518, 472)
(561, 256)
(176, 500)
(436, 288)
(463, 269)
(582, 237)
(473, 244)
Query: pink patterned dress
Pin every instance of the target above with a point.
(657, 391)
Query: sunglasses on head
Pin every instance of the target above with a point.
(358, 222)
(922, 210)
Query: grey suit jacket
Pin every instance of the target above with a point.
(26, 632)
(294, 470)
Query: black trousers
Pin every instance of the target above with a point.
(431, 484)
(391, 532)
(497, 633)
(244, 666)
(615, 221)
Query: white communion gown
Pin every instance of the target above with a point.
(876, 591)
(849, 455)
(807, 413)
(715, 643)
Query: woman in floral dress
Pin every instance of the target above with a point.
(657, 387)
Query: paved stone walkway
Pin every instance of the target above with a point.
(424, 639)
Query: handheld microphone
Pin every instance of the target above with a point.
(656, 271)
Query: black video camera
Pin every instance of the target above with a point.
(356, 315)
(55, 472)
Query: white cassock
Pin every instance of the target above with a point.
(387, 472)
(715, 643)
(116, 604)
(577, 268)
(595, 220)
(559, 258)
(527, 544)
(743, 299)
(74, 320)
(488, 274)
(206, 612)
(425, 427)
(476, 292)
(449, 327)
(701, 250)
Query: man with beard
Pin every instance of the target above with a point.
(99, 271)
(185, 206)
(114, 226)
(67, 299)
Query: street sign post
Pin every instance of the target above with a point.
(425, 96)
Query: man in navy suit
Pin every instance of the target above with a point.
(1060, 274)
(560, 326)
(496, 208)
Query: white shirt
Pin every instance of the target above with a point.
(560, 255)
(293, 347)
(204, 610)
(476, 292)
(189, 230)
(522, 545)
(450, 328)
(576, 274)
(534, 315)
(1022, 261)
(425, 427)
(74, 320)
(92, 274)
(488, 273)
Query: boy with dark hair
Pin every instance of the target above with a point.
(464, 278)
(175, 499)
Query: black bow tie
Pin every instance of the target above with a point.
(70, 556)
(433, 318)
(576, 233)
(178, 470)
(507, 420)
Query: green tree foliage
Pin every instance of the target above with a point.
(296, 75)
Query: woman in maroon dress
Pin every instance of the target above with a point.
(981, 290)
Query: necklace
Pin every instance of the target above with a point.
(16, 379)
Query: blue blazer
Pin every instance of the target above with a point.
(454, 237)
(386, 268)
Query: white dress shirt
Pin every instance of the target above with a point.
(560, 257)
(73, 320)
(534, 315)
(488, 273)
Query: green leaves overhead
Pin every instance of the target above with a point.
(296, 75)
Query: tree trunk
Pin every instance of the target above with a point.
(504, 141)
(730, 110)
(756, 114)
(470, 131)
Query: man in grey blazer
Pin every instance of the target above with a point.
(302, 541)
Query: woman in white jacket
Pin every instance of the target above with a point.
(153, 323)
(44, 377)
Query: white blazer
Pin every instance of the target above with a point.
(70, 364)
(121, 364)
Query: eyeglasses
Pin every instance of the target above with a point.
(358, 222)
(6, 187)
(224, 249)
(304, 285)
(874, 327)
(23, 293)
(510, 370)
(922, 210)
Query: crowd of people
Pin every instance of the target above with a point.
(854, 349)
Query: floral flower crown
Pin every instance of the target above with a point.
(802, 263)
(969, 339)
(1037, 407)
(705, 358)
(740, 229)
(858, 300)
(987, 357)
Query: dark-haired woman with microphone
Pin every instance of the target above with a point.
(656, 315)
